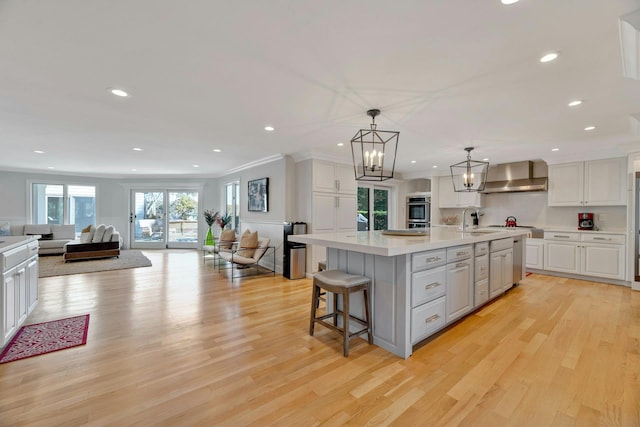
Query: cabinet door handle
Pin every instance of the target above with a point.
(560, 235)
(482, 268)
(602, 238)
(461, 253)
(432, 285)
(433, 258)
(460, 266)
(432, 318)
(337, 185)
(337, 202)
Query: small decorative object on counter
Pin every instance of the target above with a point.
(511, 221)
(450, 220)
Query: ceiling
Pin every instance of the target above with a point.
(206, 75)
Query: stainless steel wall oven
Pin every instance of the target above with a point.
(418, 211)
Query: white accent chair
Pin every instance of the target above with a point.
(239, 261)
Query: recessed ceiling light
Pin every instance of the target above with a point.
(133, 170)
(485, 159)
(50, 167)
(196, 166)
(510, 1)
(119, 92)
(340, 144)
(38, 151)
(216, 150)
(269, 128)
(136, 149)
(555, 149)
(435, 166)
(413, 161)
(549, 57)
(590, 128)
(575, 103)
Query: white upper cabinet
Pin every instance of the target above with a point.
(592, 183)
(333, 178)
(449, 198)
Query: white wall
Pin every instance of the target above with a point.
(280, 203)
(112, 195)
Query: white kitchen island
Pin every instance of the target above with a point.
(421, 284)
(19, 296)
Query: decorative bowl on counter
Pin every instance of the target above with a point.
(450, 220)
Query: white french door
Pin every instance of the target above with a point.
(164, 219)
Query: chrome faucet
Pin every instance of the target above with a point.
(464, 218)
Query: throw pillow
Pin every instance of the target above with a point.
(108, 232)
(99, 233)
(227, 237)
(86, 229)
(85, 237)
(248, 244)
(5, 229)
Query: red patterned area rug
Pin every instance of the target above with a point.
(47, 337)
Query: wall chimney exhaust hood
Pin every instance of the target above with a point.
(516, 177)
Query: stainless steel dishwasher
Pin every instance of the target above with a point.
(518, 247)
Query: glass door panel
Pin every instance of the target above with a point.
(380, 209)
(147, 225)
(363, 209)
(183, 219)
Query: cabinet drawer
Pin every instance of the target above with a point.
(482, 248)
(459, 252)
(482, 292)
(561, 235)
(427, 285)
(613, 239)
(429, 259)
(482, 267)
(427, 319)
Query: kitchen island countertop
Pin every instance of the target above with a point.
(375, 243)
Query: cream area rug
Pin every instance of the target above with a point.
(54, 265)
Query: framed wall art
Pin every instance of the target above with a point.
(259, 195)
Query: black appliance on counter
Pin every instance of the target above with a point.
(294, 255)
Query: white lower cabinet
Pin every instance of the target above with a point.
(9, 319)
(482, 292)
(18, 298)
(535, 254)
(427, 319)
(562, 257)
(590, 254)
(500, 272)
(460, 290)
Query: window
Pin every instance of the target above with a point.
(232, 204)
(63, 204)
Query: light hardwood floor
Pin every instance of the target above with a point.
(178, 344)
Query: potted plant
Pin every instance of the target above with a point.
(210, 216)
(224, 220)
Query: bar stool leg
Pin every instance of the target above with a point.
(365, 293)
(314, 304)
(345, 323)
(335, 308)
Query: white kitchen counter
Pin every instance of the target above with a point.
(376, 243)
(9, 242)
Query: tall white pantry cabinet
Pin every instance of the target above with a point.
(330, 206)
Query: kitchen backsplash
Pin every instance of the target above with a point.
(531, 209)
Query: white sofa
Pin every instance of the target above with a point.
(54, 236)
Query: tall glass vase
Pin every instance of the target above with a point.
(210, 241)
